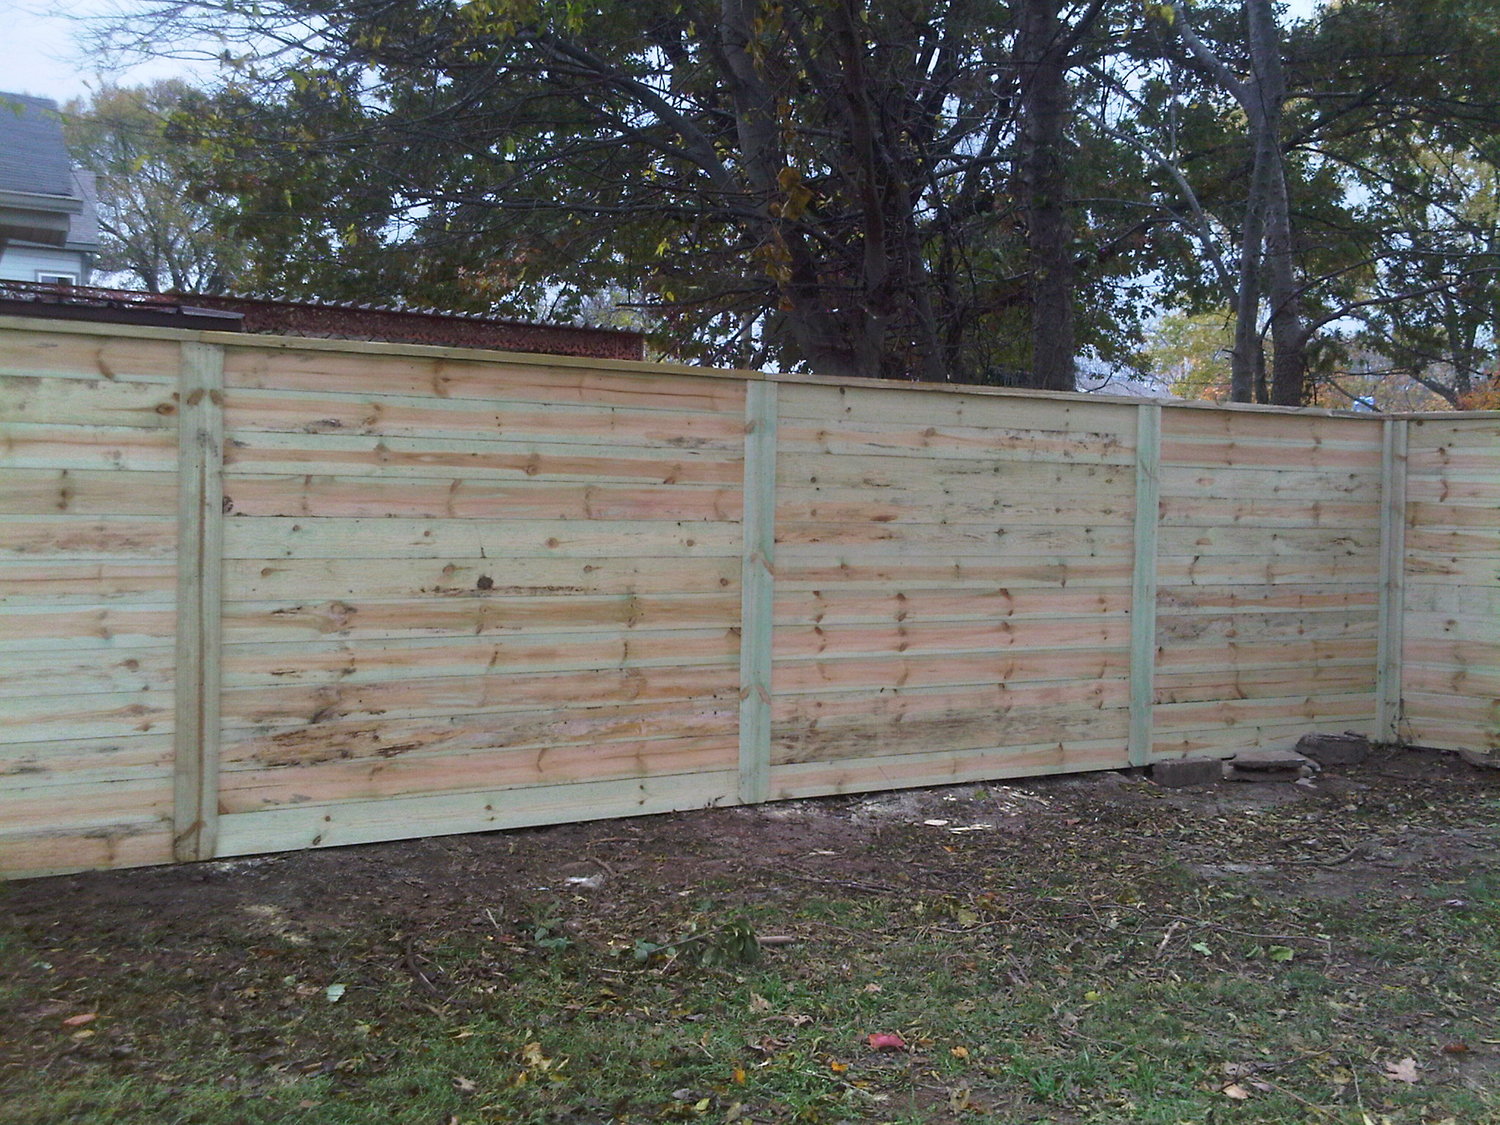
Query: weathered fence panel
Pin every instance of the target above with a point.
(88, 552)
(469, 594)
(1450, 630)
(259, 594)
(1268, 578)
(952, 587)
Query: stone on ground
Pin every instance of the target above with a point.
(1268, 765)
(1182, 773)
(1347, 749)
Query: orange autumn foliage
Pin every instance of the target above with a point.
(1486, 397)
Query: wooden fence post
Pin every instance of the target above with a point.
(1143, 581)
(1392, 581)
(200, 551)
(757, 591)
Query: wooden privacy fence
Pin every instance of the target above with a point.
(260, 593)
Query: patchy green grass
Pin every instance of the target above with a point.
(1105, 953)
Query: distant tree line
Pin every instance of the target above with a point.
(972, 191)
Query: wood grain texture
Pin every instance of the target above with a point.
(461, 590)
(200, 556)
(1443, 648)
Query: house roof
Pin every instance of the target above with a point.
(33, 156)
(43, 198)
(303, 318)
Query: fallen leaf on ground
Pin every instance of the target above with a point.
(532, 1056)
(886, 1041)
(80, 1019)
(1455, 1048)
(1236, 1091)
(1403, 1071)
(463, 1085)
(959, 1052)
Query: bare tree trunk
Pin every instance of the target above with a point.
(1042, 58)
(1288, 335)
(1267, 267)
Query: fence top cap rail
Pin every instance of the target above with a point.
(639, 367)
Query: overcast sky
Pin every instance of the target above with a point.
(39, 55)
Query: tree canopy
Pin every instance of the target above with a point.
(967, 190)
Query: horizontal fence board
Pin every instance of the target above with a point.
(513, 379)
(355, 661)
(84, 672)
(458, 498)
(1299, 431)
(248, 622)
(794, 540)
(1454, 600)
(917, 638)
(84, 764)
(1227, 741)
(50, 808)
(1275, 711)
(362, 822)
(816, 779)
(1447, 516)
(61, 354)
(839, 606)
(37, 628)
(1471, 542)
(981, 476)
(1253, 542)
(281, 411)
(338, 454)
(1451, 490)
(57, 582)
(1432, 729)
(1009, 508)
(1480, 680)
(384, 739)
(898, 404)
(35, 445)
(87, 537)
(77, 402)
(1261, 485)
(299, 705)
(876, 673)
(54, 851)
(1481, 713)
(934, 445)
(873, 735)
(1197, 511)
(1362, 453)
(1237, 654)
(1264, 598)
(461, 577)
(345, 780)
(87, 492)
(858, 570)
(294, 537)
(1214, 629)
(1336, 678)
(1266, 571)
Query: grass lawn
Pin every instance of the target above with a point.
(1072, 950)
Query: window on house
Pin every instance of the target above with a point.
(56, 278)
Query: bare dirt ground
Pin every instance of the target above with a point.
(1405, 827)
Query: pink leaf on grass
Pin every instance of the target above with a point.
(886, 1041)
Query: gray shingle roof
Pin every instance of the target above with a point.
(33, 157)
